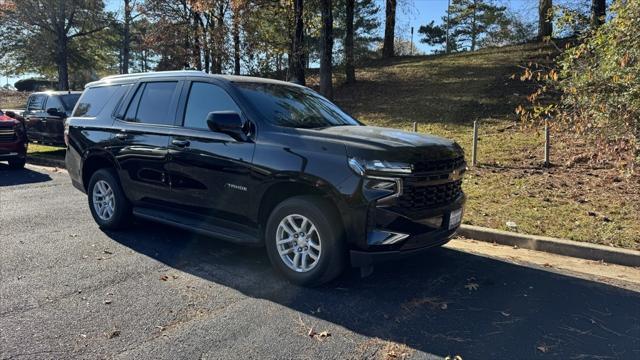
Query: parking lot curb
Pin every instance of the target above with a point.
(46, 162)
(552, 245)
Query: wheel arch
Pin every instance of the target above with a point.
(278, 192)
(94, 161)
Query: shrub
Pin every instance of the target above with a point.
(600, 82)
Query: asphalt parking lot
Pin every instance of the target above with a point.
(70, 290)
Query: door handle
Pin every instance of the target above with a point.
(122, 136)
(181, 143)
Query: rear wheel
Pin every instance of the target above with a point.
(304, 240)
(17, 163)
(109, 207)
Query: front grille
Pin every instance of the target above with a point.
(442, 165)
(416, 197)
(7, 135)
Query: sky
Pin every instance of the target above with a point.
(410, 13)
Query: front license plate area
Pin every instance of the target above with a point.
(455, 218)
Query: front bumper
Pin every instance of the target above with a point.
(17, 149)
(413, 234)
(428, 241)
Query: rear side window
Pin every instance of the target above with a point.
(55, 103)
(69, 101)
(152, 103)
(36, 102)
(94, 99)
(203, 99)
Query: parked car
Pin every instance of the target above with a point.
(13, 139)
(262, 162)
(45, 114)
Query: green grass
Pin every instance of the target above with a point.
(445, 94)
(46, 151)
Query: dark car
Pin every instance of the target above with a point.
(45, 115)
(262, 162)
(13, 139)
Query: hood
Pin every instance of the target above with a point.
(377, 143)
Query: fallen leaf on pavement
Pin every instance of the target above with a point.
(472, 286)
(164, 278)
(107, 252)
(542, 348)
(113, 334)
(107, 302)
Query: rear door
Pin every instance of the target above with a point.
(141, 140)
(34, 115)
(210, 171)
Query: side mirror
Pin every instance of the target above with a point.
(227, 122)
(55, 112)
(13, 115)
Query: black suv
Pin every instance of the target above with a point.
(262, 162)
(45, 115)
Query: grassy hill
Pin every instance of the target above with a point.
(444, 94)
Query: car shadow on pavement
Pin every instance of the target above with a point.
(9, 177)
(444, 303)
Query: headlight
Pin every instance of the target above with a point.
(381, 166)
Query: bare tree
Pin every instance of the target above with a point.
(326, 49)
(350, 70)
(545, 22)
(389, 28)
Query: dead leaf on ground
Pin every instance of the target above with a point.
(472, 286)
(107, 302)
(543, 348)
(456, 357)
(113, 334)
(164, 278)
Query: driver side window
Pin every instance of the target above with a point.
(203, 99)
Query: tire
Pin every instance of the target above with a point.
(17, 163)
(120, 215)
(328, 234)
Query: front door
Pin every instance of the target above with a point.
(52, 126)
(35, 117)
(210, 171)
(141, 139)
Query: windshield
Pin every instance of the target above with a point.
(296, 107)
(69, 100)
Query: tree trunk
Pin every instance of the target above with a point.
(545, 22)
(219, 40)
(447, 41)
(126, 37)
(236, 41)
(598, 12)
(197, 48)
(297, 48)
(474, 26)
(389, 29)
(350, 70)
(326, 49)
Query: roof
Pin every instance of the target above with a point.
(183, 73)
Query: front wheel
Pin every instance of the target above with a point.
(17, 163)
(304, 240)
(109, 207)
